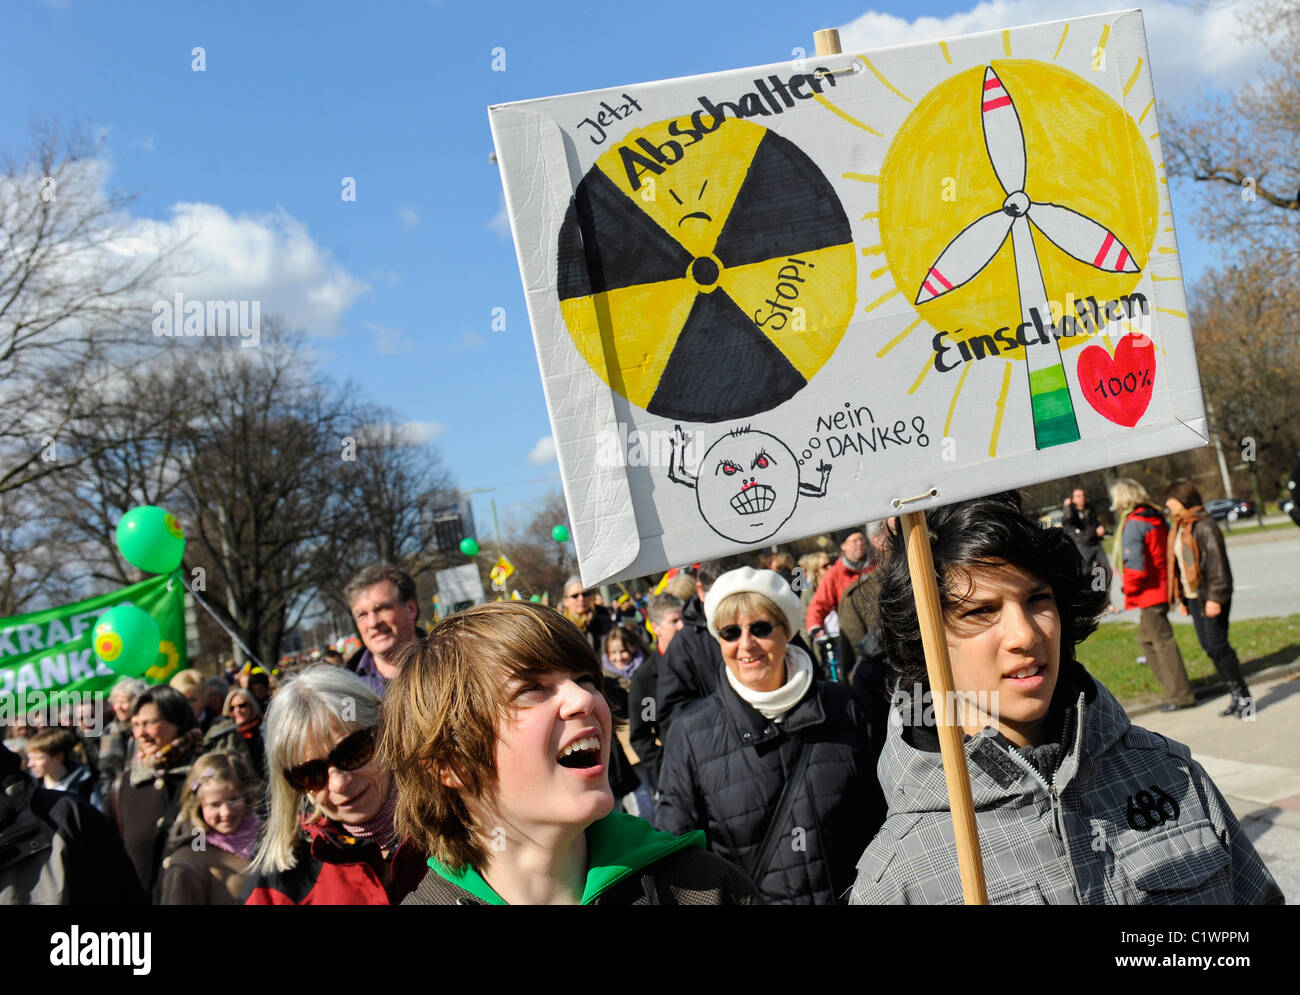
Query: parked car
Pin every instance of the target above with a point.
(1230, 509)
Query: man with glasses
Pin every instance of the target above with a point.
(580, 608)
(385, 608)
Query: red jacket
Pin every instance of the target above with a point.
(336, 869)
(835, 581)
(1146, 568)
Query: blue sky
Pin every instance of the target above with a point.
(398, 288)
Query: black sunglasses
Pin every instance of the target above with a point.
(353, 751)
(759, 630)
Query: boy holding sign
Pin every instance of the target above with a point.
(1074, 804)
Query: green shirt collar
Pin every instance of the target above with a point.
(617, 845)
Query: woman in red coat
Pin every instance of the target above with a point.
(329, 838)
(1143, 537)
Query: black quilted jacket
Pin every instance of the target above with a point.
(723, 770)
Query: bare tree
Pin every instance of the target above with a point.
(74, 296)
(1245, 319)
(1242, 151)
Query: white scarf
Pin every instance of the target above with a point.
(774, 704)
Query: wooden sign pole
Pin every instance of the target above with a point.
(929, 611)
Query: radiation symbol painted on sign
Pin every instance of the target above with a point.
(706, 275)
(1010, 194)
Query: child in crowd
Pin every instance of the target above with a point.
(1074, 804)
(499, 737)
(57, 759)
(212, 842)
(622, 657)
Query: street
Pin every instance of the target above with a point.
(1266, 581)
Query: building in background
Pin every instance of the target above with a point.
(451, 519)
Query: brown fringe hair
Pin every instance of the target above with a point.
(442, 711)
(217, 767)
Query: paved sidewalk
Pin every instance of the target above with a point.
(1255, 763)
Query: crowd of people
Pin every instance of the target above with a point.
(753, 733)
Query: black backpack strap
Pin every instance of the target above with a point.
(780, 813)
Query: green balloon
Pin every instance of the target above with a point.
(469, 546)
(560, 534)
(536, 598)
(150, 538)
(126, 640)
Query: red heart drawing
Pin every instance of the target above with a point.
(1119, 388)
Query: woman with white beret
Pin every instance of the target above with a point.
(775, 765)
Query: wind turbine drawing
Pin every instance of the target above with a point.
(976, 245)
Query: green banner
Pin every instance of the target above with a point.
(45, 655)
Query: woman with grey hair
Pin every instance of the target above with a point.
(1141, 549)
(775, 765)
(329, 838)
(116, 746)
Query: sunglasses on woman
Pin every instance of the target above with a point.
(759, 630)
(352, 752)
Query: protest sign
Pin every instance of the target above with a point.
(45, 655)
(458, 585)
(773, 302)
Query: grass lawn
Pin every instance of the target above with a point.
(1110, 654)
(1251, 526)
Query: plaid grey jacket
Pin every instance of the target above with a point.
(1128, 818)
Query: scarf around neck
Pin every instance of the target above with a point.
(581, 621)
(177, 753)
(774, 704)
(379, 828)
(632, 664)
(1184, 525)
(241, 841)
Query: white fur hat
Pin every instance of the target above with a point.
(768, 583)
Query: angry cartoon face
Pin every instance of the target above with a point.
(747, 485)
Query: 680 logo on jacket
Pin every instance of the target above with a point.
(1146, 811)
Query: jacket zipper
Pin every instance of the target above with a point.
(1058, 824)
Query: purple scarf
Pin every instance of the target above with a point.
(379, 829)
(241, 841)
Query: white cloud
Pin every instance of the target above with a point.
(409, 217)
(412, 433)
(145, 143)
(500, 222)
(1190, 46)
(389, 341)
(269, 257)
(468, 341)
(543, 453)
(419, 432)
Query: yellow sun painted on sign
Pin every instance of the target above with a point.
(1082, 150)
(1014, 198)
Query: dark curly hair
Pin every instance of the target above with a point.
(984, 532)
